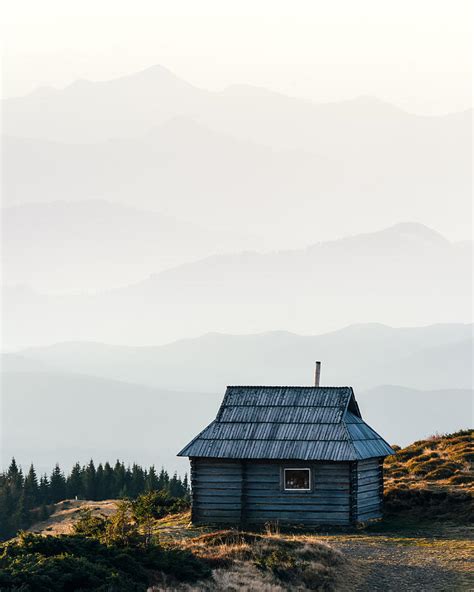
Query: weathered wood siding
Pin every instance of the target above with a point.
(253, 492)
(327, 502)
(369, 489)
(216, 491)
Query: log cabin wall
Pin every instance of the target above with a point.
(216, 491)
(252, 492)
(369, 492)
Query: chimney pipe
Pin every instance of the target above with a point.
(317, 373)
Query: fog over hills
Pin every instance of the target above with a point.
(160, 241)
(405, 275)
(239, 157)
(58, 417)
(93, 245)
(365, 356)
(66, 401)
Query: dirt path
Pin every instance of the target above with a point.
(394, 563)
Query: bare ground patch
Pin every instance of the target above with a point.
(66, 513)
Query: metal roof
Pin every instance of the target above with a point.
(287, 422)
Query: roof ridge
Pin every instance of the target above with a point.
(267, 386)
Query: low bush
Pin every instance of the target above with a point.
(430, 504)
(34, 563)
(410, 452)
(467, 457)
(298, 565)
(441, 473)
(461, 478)
(281, 563)
(422, 468)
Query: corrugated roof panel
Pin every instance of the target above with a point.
(301, 423)
(274, 431)
(372, 448)
(272, 414)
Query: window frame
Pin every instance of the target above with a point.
(297, 490)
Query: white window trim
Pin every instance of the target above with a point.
(285, 488)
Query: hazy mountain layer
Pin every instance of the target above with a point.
(94, 245)
(54, 417)
(288, 169)
(405, 275)
(364, 356)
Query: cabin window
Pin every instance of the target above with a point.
(297, 479)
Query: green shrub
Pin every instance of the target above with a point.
(90, 525)
(467, 457)
(399, 472)
(429, 455)
(409, 453)
(427, 466)
(461, 478)
(430, 504)
(280, 562)
(159, 504)
(441, 473)
(33, 563)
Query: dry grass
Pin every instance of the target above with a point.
(67, 512)
(269, 561)
(387, 557)
(435, 558)
(440, 461)
(432, 479)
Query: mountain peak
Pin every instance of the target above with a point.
(415, 230)
(156, 74)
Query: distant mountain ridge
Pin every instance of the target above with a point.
(364, 356)
(92, 245)
(387, 275)
(129, 402)
(155, 94)
(157, 142)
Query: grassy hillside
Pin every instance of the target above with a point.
(424, 540)
(432, 478)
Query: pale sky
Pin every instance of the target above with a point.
(413, 53)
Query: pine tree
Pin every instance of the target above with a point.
(99, 483)
(23, 498)
(137, 482)
(109, 491)
(175, 486)
(21, 517)
(75, 482)
(163, 480)
(15, 475)
(119, 479)
(151, 482)
(126, 492)
(31, 489)
(186, 484)
(89, 481)
(57, 485)
(44, 490)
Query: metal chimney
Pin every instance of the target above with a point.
(317, 373)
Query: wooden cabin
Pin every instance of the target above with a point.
(296, 455)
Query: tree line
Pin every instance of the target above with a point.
(27, 498)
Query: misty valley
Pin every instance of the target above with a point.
(174, 258)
